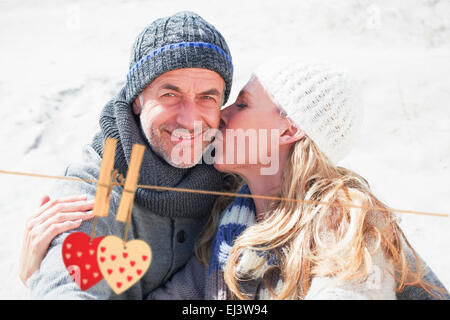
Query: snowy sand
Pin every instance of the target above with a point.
(61, 62)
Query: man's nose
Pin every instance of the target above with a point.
(188, 114)
(225, 116)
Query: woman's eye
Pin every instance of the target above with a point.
(241, 105)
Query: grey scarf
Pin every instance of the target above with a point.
(118, 121)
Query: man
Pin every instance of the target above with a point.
(180, 75)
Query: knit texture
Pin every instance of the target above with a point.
(322, 100)
(183, 40)
(234, 220)
(118, 121)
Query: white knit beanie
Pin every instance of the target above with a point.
(321, 100)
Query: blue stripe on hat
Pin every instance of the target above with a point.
(181, 45)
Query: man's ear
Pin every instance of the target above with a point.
(291, 134)
(137, 105)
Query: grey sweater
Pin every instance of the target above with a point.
(170, 252)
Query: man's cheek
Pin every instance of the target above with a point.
(213, 122)
(151, 120)
(153, 113)
(146, 127)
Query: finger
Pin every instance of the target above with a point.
(40, 244)
(67, 216)
(78, 206)
(56, 201)
(87, 215)
(23, 261)
(54, 221)
(45, 199)
(36, 246)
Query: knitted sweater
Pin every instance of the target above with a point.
(195, 281)
(168, 221)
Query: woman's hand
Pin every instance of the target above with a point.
(53, 218)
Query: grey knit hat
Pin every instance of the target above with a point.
(322, 99)
(184, 40)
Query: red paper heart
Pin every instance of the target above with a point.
(80, 259)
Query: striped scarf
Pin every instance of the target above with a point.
(234, 220)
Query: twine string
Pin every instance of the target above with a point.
(220, 193)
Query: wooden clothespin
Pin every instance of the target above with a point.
(105, 180)
(126, 202)
(136, 250)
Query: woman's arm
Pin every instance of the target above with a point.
(52, 219)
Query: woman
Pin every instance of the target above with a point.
(313, 230)
(338, 241)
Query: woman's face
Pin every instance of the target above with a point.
(250, 130)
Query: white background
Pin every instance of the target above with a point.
(62, 61)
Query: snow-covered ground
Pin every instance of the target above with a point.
(62, 61)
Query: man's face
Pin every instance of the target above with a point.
(179, 109)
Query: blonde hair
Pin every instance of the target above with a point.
(315, 239)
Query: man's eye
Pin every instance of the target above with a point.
(209, 98)
(169, 94)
